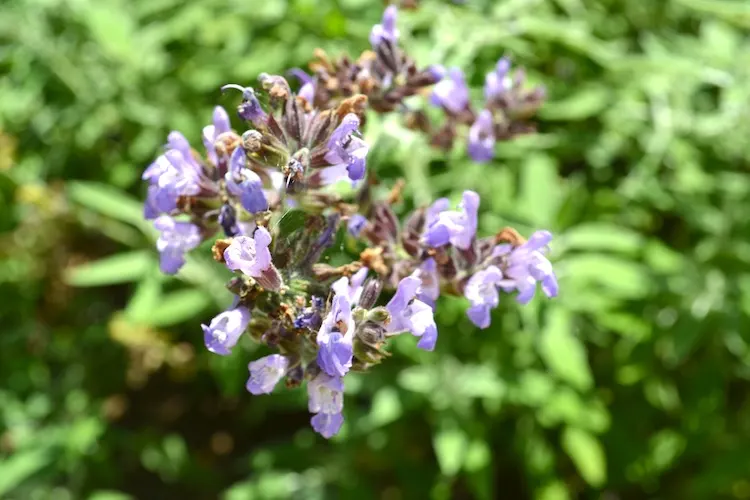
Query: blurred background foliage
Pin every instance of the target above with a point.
(632, 384)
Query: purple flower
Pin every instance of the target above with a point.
(481, 290)
(411, 314)
(451, 93)
(307, 90)
(250, 255)
(455, 227)
(265, 373)
(225, 330)
(386, 31)
(175, 239)
(356, 223)
(345, 150)
(498, 82)
(482, 137)
(429, 288)
(351, 288)
(527, 264)
(310, 316)
(173, 174)
(212, 132)
(325, 394)
(250, 108)
(327, 425)
(335, 338)
(245, 183)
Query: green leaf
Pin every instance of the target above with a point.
(600, 236)
(108, 201)
(386, 407)
(143, 300)
(177, 307)
(540, 190)
(291, 221)
(109, 495)
(450, 448)
(611, 275)
(15, 469)
(553, 491)
(563, 352)
(579, 106)
(587, 455)
(119, 268)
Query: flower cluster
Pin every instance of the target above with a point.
(263, 197)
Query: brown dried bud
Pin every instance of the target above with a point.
(509, 235)
(373, 258)
(356, 104)
(217, 251)
(252, 141)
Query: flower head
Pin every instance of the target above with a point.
(175, 239)
(265, 373)
(526, 265)
(225, 330)
(451, 93)
(386, 31)
(455, 227)
(481, 290)
(482, 137)
(411, 314)
(345, 150)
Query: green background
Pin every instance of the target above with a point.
(633, 384)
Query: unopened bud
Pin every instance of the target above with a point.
(379, 315)
(252, 141)
(370, 292)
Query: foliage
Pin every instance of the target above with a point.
(632, 383)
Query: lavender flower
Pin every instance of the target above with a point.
(345, 150)
(327, 425)
(175, 239)
(386, 31)
(498, 82)
(356, 223)
(250, 108)
(307, 90)
(245, 183)
(225, 330)
(212, 132)
(411, 314)
(310, 317)
(429, 288)
(325, 394)
(335, 338)
(482, 137)
(451, 93)
(250, 255)
(527, 264)
(265, 373)
(171, 175)
(481, 290)
(455, 227)
(351, 288)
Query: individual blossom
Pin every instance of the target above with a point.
(307, 90)
(356, 224)
(351, 288)
(225, 330)
(335, 338)
(325, 394)
(245, 183)
(525, 265)
(411, 314)
(310, 317)
(212, 132)
(327, 425)
(250, 108)
(451, 93)
(346, 151)
(252, 257)
(482, 292)
(498, 82)
(175, 240)
(265, 373)
(386, 31)
(455, 227)
(481, 145)
(429, 288)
